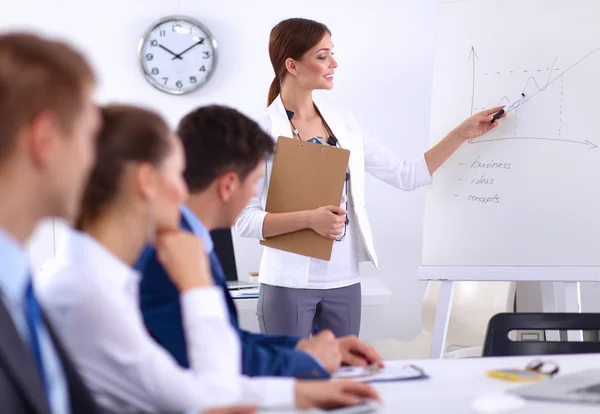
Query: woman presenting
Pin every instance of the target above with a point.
(298, 292)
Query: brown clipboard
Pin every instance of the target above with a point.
(305, 176)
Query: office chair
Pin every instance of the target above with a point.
(497, 342)
(473, 304)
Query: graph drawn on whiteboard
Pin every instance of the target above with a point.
(546, 82)
(528, 192)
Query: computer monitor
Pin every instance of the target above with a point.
(223, 242)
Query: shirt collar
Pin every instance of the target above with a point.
(198, 228)
(15, 268)
(81, 247)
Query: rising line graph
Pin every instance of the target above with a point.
(538, 89)
(534, 80)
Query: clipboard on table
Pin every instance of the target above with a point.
(373, 373)
(305, 176)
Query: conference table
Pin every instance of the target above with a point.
(454, 385)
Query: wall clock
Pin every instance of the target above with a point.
(177, 54)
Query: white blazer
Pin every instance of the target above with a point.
(280, 268)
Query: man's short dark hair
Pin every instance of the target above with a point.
(38, 74)
(218, 139)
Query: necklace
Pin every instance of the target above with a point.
(296, 131)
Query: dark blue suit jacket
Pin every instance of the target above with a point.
(262, 355)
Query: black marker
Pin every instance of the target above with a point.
(512, 105)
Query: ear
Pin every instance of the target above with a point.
(290, 65)
(43, 133)
(146, 181)
(227, 185)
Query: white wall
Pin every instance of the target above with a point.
(385, 52)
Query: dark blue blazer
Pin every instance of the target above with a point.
(262, 355)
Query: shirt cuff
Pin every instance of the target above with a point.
(423, 176)
(204, 302)
(276, 392)
(260, 219)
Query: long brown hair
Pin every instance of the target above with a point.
(129, 134)
(291, 38)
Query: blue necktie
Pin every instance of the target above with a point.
(220, 280)
(33, 314)
(216, 269)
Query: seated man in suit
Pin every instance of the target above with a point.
(48, 125)
(225, 154)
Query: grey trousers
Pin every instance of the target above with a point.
(301, 312)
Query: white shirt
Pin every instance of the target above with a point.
(342, 269)
(14, 280)
(280, 268)
(92, 298)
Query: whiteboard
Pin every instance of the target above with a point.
(527, 193)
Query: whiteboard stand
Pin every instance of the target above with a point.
(552, 301)
(447, 275)
(442, 318)
(573, 304)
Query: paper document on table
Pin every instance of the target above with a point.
(387, 373)
(244, 293)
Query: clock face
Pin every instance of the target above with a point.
(178, 55)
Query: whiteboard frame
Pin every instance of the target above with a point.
(510, 273)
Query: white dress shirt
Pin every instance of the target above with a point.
(93, 300)
(342, 269)
(14, 278)
(280, 268)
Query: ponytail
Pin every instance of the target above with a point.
(274, 91)
(291, 38)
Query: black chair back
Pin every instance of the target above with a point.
(497, 342)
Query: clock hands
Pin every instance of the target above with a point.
(199, 42)
(178, 55)
(173, 53)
